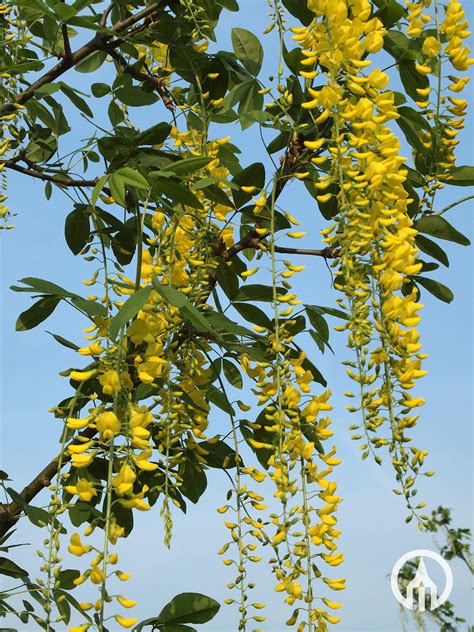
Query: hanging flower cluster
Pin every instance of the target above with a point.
(288, 432)
(145, 449)
(138, 421)
(443, 29)
(373, 230)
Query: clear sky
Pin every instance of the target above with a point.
(371, 516)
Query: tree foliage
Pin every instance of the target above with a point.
(171, 222)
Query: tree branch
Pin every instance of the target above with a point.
(97, 43)
(156, 83)
(40, 175)
(327, 253)
(10, 513)
(66, 42)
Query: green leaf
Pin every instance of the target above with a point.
(253, 175)
(330, 311)
(220, 322)
(219, 399)
(436, 288)
(176, 627)
(215, 194)
(174, 190)
(247, 49)
(318, 322)
(40, 285)
(186, 308)
(400, 46)
(91, 308)
(193, 479)
(92, 62)
(37, 516)
(128, 310)
(66, 578)
(189, 608)
(411, 79)
(77, 230)
(132, 178)
(64, 342)
(299, 10)
(389, 12)
(181, 167)
(97, 189)
(79, 513)
(411, 123)
(253, 314)
(37, 313)
(462, 176)
(219, 455)
(117, 188)
(437, 226)
(7, 567)
(432, 248)
(155, 135)
(250, 107)
(232, 373)
(184, 608)
(228, 280)
(76, 100)
(254, 292)
(100, 90)
(135, 96)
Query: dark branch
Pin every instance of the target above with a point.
(41, 175)
(156, 83)
(327, 253)
(97, 43)
(9, 513)
(105, 14)
(66, 42)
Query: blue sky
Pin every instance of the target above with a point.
(371, 517)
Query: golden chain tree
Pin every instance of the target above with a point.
(171, 222)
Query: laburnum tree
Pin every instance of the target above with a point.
(171, 222)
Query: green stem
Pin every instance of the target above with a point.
(450, 206)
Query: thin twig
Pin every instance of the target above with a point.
(105, 14)
(9, 513)
(40, 175)
(327, 253)
(156, 83)
(66, 42)
(97, 43)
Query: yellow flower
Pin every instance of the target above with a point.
(431, 46)
(83, 489)
(123, 482)
(125, 623)
(77, 424)
(108, 424)
(126, 603)
(142, 461)
(82, 376)
(110, 382)
(335, 584)
(82, 460)
(76, 547)
(96, 576)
